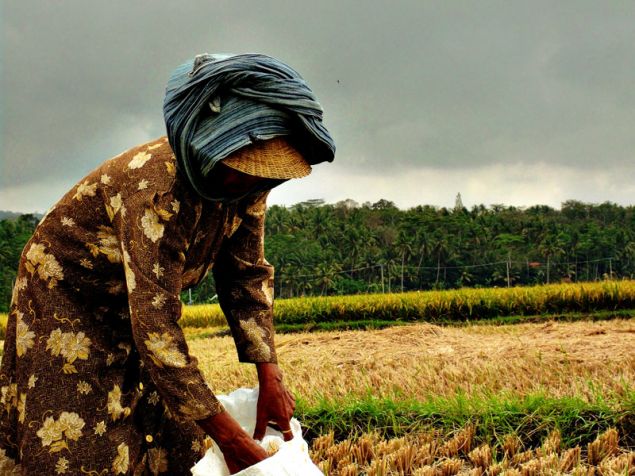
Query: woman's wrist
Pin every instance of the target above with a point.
(268, 371)
(221, 427)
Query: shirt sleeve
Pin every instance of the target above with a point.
(244, 284)
(155, 233)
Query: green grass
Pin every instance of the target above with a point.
(367, 324)
(502, 320)
(283, 328)
(531, 417)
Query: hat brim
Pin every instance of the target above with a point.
(274, 158)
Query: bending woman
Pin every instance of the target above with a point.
(96, 377)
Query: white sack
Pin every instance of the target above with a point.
(292, 459)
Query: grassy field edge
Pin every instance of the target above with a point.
(367, 324)
(530, 417)
(502, 320)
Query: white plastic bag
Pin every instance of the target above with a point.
(292, 458)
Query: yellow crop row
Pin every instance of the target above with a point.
(434, 306)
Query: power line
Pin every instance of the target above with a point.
(319, 275)
(480, 265)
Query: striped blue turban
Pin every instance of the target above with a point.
(215, 104)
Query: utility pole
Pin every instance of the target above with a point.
(280, 277)
(383, 289)
(507, 266)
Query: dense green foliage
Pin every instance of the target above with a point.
(435, 248)
(313, 247)
(13, 236)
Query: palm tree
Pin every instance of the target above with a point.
(326, 275)
(440, 249)
(404, 244)
(550, 247)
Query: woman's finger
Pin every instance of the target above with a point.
(287, 434)
(291, 398)
(261, 427)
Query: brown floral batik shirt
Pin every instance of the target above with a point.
(96, 377)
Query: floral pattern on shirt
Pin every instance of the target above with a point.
(96, 375)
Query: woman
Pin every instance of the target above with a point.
(96, 377)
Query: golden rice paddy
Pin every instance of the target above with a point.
(425, 454)
(580, 359)
(420, 360)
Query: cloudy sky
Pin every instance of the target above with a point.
(511, 102)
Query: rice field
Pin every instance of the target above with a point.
(421, 399)
(422, 361)
(427, 454)
(457, 305)
(450, 390)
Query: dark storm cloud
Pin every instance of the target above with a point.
(404, 85)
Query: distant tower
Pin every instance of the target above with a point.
(458, 203)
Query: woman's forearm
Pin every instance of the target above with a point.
(221, 427)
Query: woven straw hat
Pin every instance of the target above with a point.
(274, 158)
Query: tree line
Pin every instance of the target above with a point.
(313, 245)
(351, 248)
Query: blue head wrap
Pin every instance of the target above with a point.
(215, 104)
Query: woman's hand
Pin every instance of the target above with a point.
(242, 452)
(275, 403)
(239, 449)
